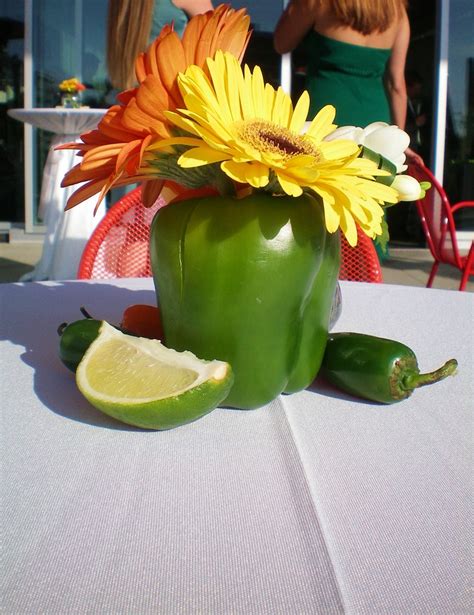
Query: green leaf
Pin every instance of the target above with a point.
(382, 163)
(383, 239)
(425, 186)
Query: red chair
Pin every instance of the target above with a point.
(360, 264)
(118, 248)
(437, 220)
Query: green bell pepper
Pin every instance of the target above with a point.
(249, 281)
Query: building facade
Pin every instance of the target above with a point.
(43, 42)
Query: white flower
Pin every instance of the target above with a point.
(388, 141)
(352, 133)
(408, 188)
(391, 143)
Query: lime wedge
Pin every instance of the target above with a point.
(141, 382)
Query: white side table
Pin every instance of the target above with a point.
(66, 232)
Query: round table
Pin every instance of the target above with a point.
(318, 503)
(66, 232)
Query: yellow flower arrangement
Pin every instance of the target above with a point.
(71, 86)
(201, 121)
(253, 132)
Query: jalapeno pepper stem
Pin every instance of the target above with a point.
(413, 380)
(84, 312)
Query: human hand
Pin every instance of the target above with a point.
(420, 120)
(413, 157)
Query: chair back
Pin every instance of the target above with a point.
(119, 246)
(436, 217)
(360, 264)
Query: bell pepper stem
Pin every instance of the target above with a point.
(413, 381)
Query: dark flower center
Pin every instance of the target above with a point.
(270, 138)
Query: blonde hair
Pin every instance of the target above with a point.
(367, 16)
(128, 32)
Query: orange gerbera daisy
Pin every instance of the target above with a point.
(115, 154)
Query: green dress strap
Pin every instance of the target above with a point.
(164, 12)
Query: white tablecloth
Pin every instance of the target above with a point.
(316, 503)
(66, 232)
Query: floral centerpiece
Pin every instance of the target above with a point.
(245, 255)
(70, 89)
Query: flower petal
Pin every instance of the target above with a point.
(345, 132)
(198, 156)
(348, 227)
(390, 142)
(254, 173)
(322, 124)
(408, 188)
(333, 150)
(300, 113)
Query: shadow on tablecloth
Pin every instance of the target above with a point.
(30, 316)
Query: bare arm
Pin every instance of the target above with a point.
(295, 22)
(193, 7)
(395, 74)
(395, 82)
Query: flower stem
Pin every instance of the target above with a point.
(224, 184)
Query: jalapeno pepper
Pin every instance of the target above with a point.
(76, 338)
(375, 368)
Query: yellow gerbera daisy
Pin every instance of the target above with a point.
(254, 132)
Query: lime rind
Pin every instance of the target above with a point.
(205, 384)
(171, 412)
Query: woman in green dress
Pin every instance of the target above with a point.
(356, 53)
